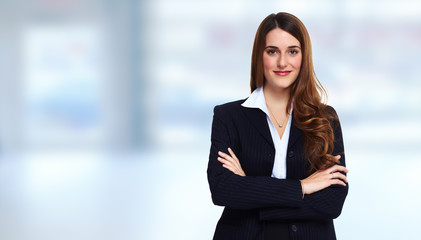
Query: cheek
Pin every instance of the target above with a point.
(296, 62)
(267, 62)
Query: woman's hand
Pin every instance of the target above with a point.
(231, 162)
(325, 178)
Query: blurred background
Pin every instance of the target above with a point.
(106, 109)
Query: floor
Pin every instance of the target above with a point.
(165, 196)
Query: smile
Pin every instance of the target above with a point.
(282, 73)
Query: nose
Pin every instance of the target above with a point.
(282, 61)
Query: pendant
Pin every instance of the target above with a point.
(280, 125)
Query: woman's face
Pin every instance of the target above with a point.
(281, 59)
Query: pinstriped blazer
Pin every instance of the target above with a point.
(251, 202)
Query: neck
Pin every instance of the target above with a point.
(276, 99)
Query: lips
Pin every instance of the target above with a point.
(282, 73)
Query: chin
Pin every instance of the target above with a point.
(280, 83)
(284, 85)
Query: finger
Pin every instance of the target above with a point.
(337, 168)
(233, 169)
(339, 175)
(232, 153)
(236, 161)
(233, 156)
(338, 182)
(226, 157)
(222, 154)
(226, 161)
(229, 167)
(222, 160)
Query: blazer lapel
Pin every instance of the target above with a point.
(258, 119)
(295, 133)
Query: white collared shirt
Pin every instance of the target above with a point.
(257, 100)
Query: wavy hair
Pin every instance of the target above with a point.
(311, 114)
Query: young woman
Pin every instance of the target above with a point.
(277, 159)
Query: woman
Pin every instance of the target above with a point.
(277, 160)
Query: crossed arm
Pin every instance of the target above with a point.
(317, 188)
(317, 181)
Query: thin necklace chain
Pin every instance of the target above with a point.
(273, 115)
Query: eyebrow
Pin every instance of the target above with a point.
(278, 48)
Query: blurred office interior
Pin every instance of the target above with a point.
(106, 110)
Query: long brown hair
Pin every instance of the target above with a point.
(311, 115)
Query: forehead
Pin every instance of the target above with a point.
(281, 39)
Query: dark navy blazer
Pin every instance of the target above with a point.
(251, 202)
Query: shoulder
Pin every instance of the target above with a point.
(229, 107)
(330, 109)
(333, 117)
(228, 112)
(330, 113)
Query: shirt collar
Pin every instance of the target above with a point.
(256, 100)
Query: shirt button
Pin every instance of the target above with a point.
(294, 228)
(291, 154)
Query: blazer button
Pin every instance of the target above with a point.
(291, 154)
(294, 228)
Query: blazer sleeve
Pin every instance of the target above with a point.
(324, 204)
(237, 192)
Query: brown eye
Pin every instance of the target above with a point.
(271, 51)
(293, 52)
